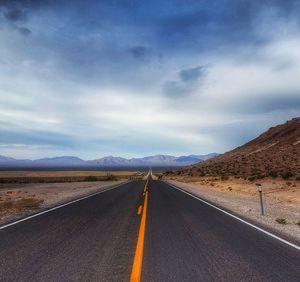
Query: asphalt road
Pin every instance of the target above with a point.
(185, 240)
(90, 240)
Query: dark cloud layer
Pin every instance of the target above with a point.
(16, 12)
(14, 15)
(166, 28)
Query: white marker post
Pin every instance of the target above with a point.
(259, 188)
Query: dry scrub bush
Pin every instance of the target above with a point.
(281, 220)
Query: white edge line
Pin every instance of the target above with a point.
(238, 218)
(60, 206)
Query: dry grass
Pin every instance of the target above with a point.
(64, 176)
(70, 173)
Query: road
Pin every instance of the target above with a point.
(183, 239)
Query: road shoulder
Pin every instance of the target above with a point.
(29, 199)
(245, 208)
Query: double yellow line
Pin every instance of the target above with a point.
(138, 257)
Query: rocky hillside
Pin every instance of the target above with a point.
(275, 153)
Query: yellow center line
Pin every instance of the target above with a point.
(138, 257)
(139, 210)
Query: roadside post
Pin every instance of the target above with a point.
(259, 188)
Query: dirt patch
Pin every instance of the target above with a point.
(17, 205)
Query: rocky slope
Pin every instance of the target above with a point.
(275, 153)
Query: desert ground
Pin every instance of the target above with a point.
(281, 200)
(25, 192)
(64, 176)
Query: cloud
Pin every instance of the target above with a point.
(136, 78)
(15, 14)
(257, 84)
(25, 31)
(16, 11)
(176, 89)
(138, 52)
(268, 103)
(187, 80)
(192, 74)
(36, 137)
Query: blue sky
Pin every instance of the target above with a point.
(134, 78)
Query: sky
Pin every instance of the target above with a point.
(133, 78)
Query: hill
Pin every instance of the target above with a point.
(274, 153)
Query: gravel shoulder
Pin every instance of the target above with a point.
(242, 199)
(20, 200)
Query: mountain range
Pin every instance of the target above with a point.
(109, 161)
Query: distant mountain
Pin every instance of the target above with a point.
(61, 161)
(7, 161)
(4, 159)
(109, 161)
(274, 153)
(157, 160)
(49, 162)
